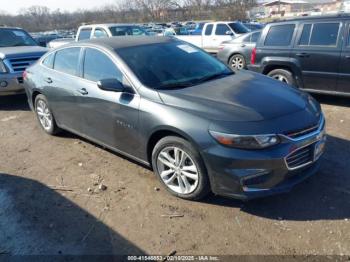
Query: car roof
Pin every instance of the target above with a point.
(119, 42)
(107, 25)
(10, 27)
(321, 17)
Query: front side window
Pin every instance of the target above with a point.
(222, 29)
(208, 29)
(155, 66)
(84, 34)
(280, 35)
(100, 33)
(67, 60)
(239, 28)
(98, 66)
(48, 61)
(15, 37)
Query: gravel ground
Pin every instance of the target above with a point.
(51, 202)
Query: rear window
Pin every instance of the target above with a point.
(320, 34)
(280, 35)
(84, 34)
(67, 60)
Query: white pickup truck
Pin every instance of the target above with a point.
(100, 30)
(214, 33)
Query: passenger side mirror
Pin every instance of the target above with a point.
(229, 33)
(111, 85)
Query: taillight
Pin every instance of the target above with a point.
(24, 75)
(253, 56)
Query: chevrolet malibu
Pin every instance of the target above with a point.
(170, 105)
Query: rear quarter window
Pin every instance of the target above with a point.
(49, 60)
(280, 35)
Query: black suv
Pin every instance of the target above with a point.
(311, 53)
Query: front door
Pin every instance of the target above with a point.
(109, 117)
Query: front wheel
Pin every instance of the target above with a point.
(180, 168)
(283, 75)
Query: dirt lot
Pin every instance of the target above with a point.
(46, 208)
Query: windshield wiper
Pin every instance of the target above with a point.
(176, 85)
(214, 76)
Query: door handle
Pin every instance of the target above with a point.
(48, 80)
(83, 91)
(302, 54)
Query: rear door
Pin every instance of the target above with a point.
(62, 88)
(317, 51)
(207, 36)
(343, 84)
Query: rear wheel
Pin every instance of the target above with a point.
(180, 168)
(237, 62)
(45, 116)
(283, 75)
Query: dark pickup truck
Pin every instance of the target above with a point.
(311, 53)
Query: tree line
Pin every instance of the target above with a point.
(41, 18)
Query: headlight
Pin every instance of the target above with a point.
(245, 141)
(2, 67)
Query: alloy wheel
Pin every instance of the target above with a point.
(281, 78)
(44, 114)
(237, 63)
(177, 170)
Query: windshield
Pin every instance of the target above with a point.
(123, 30)
(172, 65)
(239, 28)
(15, 37)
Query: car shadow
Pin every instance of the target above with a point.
(324, 196)
(38, 220)
(14, 103)
(332, 100)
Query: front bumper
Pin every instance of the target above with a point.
(247, 174)
(11, 84)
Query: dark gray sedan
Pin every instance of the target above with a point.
(237, 52)
(169, 105)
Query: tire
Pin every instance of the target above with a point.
(190, 169)
(44, 115)
(284, 76)
(237, 62)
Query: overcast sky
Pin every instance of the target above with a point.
(12, 6)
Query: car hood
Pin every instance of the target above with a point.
(17, 51)
(244, 96)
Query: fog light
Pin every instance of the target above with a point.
(256, 179)
(3, 84)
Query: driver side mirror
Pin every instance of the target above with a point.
(229, 33)
(111, 85)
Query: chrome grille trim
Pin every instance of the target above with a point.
(19, 64)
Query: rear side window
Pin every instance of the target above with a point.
(67, 60)
(280, 35)
(221, 29)
(208, 30)
(99, 32)
(255, 37)
(98, 66)
(84, 34)
(48, 61)
(320, 34)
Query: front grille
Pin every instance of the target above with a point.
(300, 157)
(306, 130)
(20, 64)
